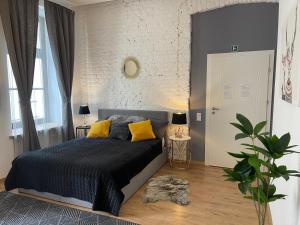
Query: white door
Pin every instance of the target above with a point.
(236, 83)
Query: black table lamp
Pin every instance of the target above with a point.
(179, 119)
(84, 110)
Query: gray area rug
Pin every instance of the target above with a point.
(20, 210)
(167, 188)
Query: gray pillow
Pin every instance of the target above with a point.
(128, 119)
(135, 119)
(116, 118)
(119, 126)
(159, 128)
(119, 131)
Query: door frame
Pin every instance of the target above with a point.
(270, 97)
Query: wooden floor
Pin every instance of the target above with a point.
(213, 202)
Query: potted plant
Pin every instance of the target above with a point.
(256, 168)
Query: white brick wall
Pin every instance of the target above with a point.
(156, 32)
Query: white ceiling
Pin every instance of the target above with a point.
(74, 3)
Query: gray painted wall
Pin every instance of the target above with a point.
(251, 26)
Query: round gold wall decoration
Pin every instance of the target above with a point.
(131, 68)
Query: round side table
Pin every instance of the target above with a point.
(179, 152)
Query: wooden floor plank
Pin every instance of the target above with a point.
(213, 202)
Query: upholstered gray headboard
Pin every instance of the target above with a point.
(154, 115)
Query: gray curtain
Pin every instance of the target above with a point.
(20, 23)
(60, 25)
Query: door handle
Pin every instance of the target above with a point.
(215, 108)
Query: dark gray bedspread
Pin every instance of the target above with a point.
(93, 170)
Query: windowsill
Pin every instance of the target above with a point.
(40, 128)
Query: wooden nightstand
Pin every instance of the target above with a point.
(81, 131)
(179, 152)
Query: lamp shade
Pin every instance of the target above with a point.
(84, 110)
(179, 118)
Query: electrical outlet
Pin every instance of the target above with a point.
(199, 117)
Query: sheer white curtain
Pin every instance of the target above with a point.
(45, 100)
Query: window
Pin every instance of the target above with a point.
(45, 90)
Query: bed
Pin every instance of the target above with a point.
(94, 173)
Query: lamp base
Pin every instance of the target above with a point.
(85, 121)
(179, 132)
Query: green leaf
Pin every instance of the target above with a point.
(262, 151)
(286, 177)
(248, 197)
(227, 170)
(245, 123)
(241, 136)
(258, 149)
(259, 195)
(258, 128)
(292, 146)
(272, 190)
(265, 141)
(248, 145)
(242, 172)
(239, 156)
(236, 177)
(240, 127)
(232, 176)
(265, 163)
(265, 133)
(274, 138)
(267, 174)
(290, 152)
(282, 169)
(276, 197)
(243, 187)
(230, 179)
(292, 171)
(243, 168)
(294, 175)
(254, 161)
(276, 155)
(282, 144)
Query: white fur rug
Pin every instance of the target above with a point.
(167, 188)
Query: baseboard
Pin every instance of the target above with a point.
(194, 162)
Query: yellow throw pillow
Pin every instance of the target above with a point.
(99, 129)
(141, 131)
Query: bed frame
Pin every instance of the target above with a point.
(136, 182)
